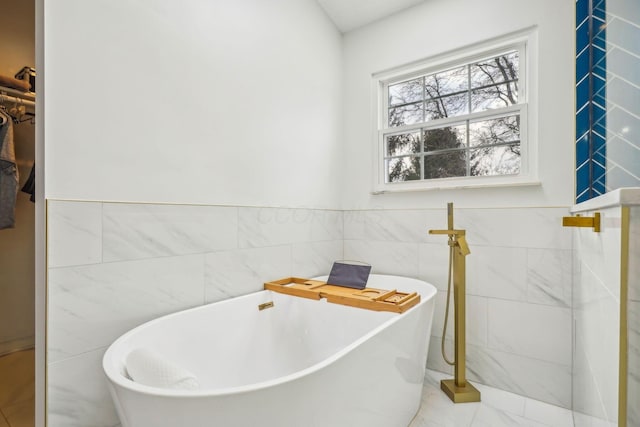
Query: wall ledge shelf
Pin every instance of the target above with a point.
(620, 197)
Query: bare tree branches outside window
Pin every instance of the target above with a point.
(470, 147)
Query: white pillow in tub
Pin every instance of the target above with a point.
(149, 368)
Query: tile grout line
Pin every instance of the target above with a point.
(620, 107)
(613, 76)
(623, 19)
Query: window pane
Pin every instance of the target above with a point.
(406, 143)
(445, 138)
(448, 106)
(445, 165)
(405, 92)
(491, 97)
(447, 82)
(501, 160)
(500, 69)
(403, 169)
(405, 115)
(494, 131)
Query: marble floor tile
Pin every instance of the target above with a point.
(547, 414)
(438, 411)
(16, 378)
(21, 414)
(498, 408)
(488, 416)
(502, 400)
(583, 420)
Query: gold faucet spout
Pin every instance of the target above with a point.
(456, 238)
(458, 389)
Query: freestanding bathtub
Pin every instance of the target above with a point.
(300, 363)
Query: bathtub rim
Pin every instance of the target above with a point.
(114, 376)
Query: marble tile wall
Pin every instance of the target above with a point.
(596, 314)
(113, 266)
(519, 288)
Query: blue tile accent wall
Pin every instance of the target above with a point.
(591, 98)
(607, 96)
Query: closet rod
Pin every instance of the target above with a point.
(8, 94)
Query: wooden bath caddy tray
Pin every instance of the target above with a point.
(368, 298)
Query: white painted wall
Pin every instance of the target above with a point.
(224, 102)
(439, 26)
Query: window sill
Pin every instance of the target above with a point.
(456, 184)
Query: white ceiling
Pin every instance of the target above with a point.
(351, 14)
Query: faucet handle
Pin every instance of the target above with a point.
(449, 232)
(462, 244)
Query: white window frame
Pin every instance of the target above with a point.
(525, 42)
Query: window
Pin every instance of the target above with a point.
(456, 122)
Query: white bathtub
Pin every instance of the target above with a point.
(300, 363)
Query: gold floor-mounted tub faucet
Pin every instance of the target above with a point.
(458, 389)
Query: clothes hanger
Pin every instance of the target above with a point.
(17, 111)
(3, 110)
(29, 117)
